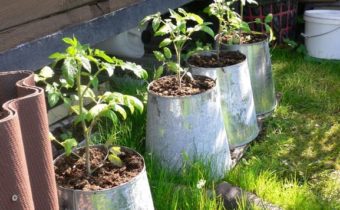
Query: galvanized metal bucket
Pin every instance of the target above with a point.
(188, 127)
(134, 194)
(237, 102)
(260, 70)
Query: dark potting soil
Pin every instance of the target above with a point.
(169, 86)
(71, 171)
(247, 38)
(212, 61)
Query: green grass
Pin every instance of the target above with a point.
(295, 163)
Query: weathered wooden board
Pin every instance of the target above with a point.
(16, 12)
(33, 54)
(13, 36)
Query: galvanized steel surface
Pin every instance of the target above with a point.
(236, 100)
(260, 70)
(189, 126)
(133, 195)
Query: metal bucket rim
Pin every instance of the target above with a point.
(134, 179)
(224, 67)
(215, 52)
(248, 44)
(180, 97)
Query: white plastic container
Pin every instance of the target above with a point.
(127, 44)
(322, 33)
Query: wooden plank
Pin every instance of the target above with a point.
(12, 37)
(108, 6)
(16, 12)
(34, 54)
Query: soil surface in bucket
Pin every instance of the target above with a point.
(71, 171)
(245, 38)
(212, 61)
(169, 86)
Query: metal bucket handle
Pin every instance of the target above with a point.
(311, 36)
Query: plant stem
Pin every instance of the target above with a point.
(89, 83)
(241, 13)
(85, 130)
(178, 57)
(219, 39)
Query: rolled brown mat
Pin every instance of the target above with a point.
(27, 179)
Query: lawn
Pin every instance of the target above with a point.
(294, 163)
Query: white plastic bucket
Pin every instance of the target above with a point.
(322, 33)
(127, 44)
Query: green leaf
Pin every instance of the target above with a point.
(252, 2)
(88, 93)
(136, 69)
(111, 115)
(97, 109)
(175, 15)
(159, 56)
(182, 11)
(57, 56)
(75, 109)
(46, 72)
(167, 52)
(208, 30)
(68, 145)
(120, 110)
(64, 83)
(37, 78)
(94, 82)
(155, 23)
(85, 63)
(128, 103)
(110, 68)
(165, 42)
(268, 18)
(115, 160)
(150, 17)
(194, 17)
(245, 27)
(258, 21)
(70, 41)
(53, 99)
(67, 101)
(103, 55)
(82, 117)
(69, 70)
(158, 73)
(270, 31)
(182, 26)
(115, 150)
(136, 103)
(172, 66)
(165, 29)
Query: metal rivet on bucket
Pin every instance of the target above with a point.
(15, 197)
